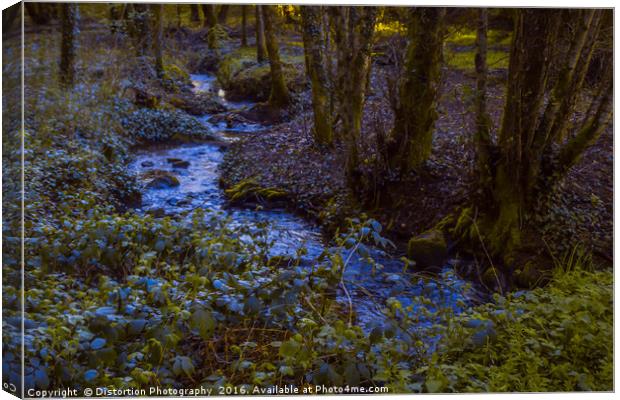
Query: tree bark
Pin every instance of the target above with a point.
(314, 49)
(526, 167)
(68, 44)
(194, 12)
(9, 16)
(261, 51)
(223, 14)
(279, 96)
(40, 13)
(141, 29)
(157, 11)
(482, 138)
(210, 17)
(244, 26)
(353, 35)
(410, 142)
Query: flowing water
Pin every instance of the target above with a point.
(369, 287)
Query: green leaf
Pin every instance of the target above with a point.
(203, 321)
(289, 348)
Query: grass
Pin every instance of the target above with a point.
(464, 60)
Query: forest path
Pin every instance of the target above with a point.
(368, 286)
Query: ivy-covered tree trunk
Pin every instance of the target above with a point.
(314, 49)
(68, 43)
(279, 96)
(531, 154)
(410, 142)
(261, 51)
(157, 11)
(353, 36)
(244, 25)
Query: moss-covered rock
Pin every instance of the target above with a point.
(250, 190)
(174, 72)
(244, 79)
(428, 250)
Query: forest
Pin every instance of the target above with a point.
(255, 199)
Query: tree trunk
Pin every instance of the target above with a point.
(279, 96)
(482, 138)
(38, 12)
(410, 142)
(353, 35)
(141, 29)
(157, 11)
(260, 35)
(210, 17)
(68, 44)
(9, 16)
(527, 167)
(314, 49)
(244, 26)
(194, 12)
(223, 14)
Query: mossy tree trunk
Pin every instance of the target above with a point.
(482, 135)
(409, 144)
(353, 37)
(531, 155)
(261, 51)
(279, 96)
(314, 49)
(210, 21)
(244, 25)
(68, 44)
(157, 11)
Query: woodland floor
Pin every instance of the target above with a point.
(285, 157)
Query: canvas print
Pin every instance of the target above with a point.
(242, 199)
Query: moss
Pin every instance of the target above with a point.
(249, 189)
(428, 249)
(234, 62)
(174, 72)
(467, 37)
(253, 82)
(464, 60)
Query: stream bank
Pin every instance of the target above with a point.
(192, 180)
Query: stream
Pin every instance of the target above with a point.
(369, 288)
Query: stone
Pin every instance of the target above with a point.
(428, 250)
(180, 164)
(164, 180)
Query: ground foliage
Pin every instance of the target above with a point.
(117, 298)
